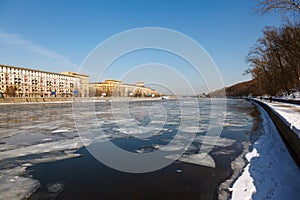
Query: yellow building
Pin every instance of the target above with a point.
(119, 89)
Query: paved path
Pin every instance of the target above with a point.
(290, 112)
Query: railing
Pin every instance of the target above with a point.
(291, 101)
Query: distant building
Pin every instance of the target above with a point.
(83, 90)
(140, 83)
(117, 88)
(24, 82)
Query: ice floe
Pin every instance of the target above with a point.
(55, 187)
(201, 159)
(189, 129)
(60, 131)
(214, 140)
(52, 158)
(13, 185)
(75, 143)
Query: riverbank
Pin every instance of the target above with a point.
(5, 101)
(285, 117)
(271, 172)
(33, 100)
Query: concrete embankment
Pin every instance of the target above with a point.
(69, 99)
(33, 100)
(289, 136)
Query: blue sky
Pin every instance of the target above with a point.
(58, 35)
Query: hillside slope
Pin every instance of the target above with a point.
(241, 89)
(244, 89)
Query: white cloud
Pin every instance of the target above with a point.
(14, 46)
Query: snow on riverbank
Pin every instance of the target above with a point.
(271, 172)
(289, 112)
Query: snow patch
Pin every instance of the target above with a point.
(244, 187)
(60, 131)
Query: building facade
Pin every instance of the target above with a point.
(119, 89)
(83, 90)
(24, 82)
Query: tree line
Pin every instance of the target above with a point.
(275, 58)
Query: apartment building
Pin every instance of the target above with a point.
(24, 82)
(83, 90)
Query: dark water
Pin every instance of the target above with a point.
(86, 178)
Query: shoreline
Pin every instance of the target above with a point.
(224, 190)
(270, 164)
(285, 130)
(40, 100)
(24, 100)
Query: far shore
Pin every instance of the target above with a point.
(35, 100)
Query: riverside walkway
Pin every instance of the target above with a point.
(286, 116)
(272, 171)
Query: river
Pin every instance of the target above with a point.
(82, 176)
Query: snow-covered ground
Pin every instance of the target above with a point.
(289, 112)
(293, 96)
(271, 172)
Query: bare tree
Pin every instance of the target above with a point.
(284, 6)
(11, 91)
(275, 59)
